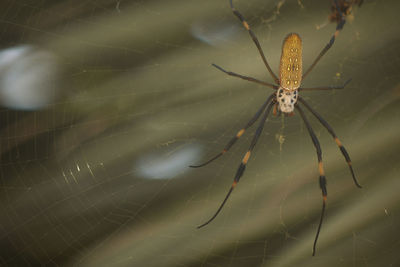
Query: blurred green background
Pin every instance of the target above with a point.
(105, 104)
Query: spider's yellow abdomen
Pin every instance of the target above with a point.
(290, 68)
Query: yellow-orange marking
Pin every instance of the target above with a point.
(240, 133)
(246, 25)
(336, 33)
(234, 184)
(338, 141)
(321, 169)
(246, 157)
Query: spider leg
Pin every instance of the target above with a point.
(325, 87)
(251, 79)
(238, 135)
(339, 27)
(330, 130)
(322, 179)
(243, 164)
(255, 40)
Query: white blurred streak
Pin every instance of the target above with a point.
(28, 78)
(215, 34)
(168, 162)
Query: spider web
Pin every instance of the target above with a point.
(106, 103)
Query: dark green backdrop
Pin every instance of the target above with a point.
(98, 176)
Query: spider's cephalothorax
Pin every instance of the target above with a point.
(290, 72)
(286, 99)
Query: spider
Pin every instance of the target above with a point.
(284, 100)
(343, 7)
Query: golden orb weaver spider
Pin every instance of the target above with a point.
(343, 7)
(285, 99)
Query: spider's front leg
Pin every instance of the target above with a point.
(243, 164)
(322, 179)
